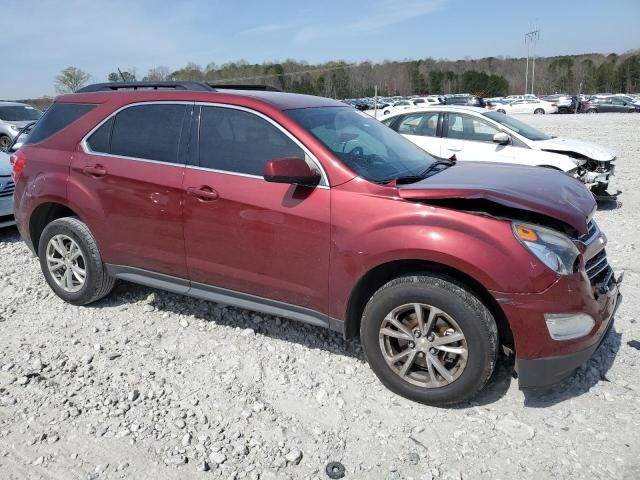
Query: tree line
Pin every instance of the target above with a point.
(488, 77)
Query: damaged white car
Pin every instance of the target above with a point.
(475, 134)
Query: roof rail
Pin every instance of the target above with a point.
(115, 86)
(263, 88)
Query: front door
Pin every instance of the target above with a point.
(470, 138)
(244, 234)
(131, 167)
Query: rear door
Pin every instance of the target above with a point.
(132, 165)
(246, 235)
(422, 129)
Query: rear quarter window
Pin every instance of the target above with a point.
(57, 117)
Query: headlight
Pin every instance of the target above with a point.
(552, 248)
(14, 128)
(566, 326)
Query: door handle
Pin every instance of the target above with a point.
(95, 170)
(203, 193)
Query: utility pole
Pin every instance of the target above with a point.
(531, 37)
(375, 99)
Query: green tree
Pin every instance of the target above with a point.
(70, 80)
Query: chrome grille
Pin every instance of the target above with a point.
(598, 270)
(592, 229)
(6, 186)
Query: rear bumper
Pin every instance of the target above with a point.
(542, 372)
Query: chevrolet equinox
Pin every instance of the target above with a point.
(305, 208)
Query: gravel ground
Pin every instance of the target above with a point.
(146, 384)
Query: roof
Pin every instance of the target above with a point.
(442, 108)
(279, 100)
(12, 104)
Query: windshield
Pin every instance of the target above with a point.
(19, 113)
(369, 148)
(517, 126)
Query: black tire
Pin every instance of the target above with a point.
(500, 110)
(539, 111)
(386, 112)
(472, 316)
(98, 283)
(5, 141)
(592, 110)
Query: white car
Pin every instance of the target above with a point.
(528, 105)
(475, 134)
(6, 182)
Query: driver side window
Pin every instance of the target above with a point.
(467, 127)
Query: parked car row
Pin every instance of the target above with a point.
(256, 199)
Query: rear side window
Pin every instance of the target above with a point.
(237, 141)
(149, 132)
(57, 117)
(424, 124)
(100, 140)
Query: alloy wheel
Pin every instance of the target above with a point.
(423, 345)
(66, 263)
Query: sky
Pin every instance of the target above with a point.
(100, 35)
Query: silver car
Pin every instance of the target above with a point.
(6, 182)
(14, 116)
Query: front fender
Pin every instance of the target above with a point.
(481, 247)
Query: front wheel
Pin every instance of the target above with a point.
(5, 141)
(428, 338)
(538, 111)
(71, 262)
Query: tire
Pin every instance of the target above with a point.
(455, 303)
(538, 111)
(502, 111)
(386, 112)
(62, 233)
(592, 110)
(5, 141)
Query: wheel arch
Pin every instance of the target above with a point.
(43, 215)
(375, 278)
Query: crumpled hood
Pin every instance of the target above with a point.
(5, 166)
(588, 149)
(541, 190)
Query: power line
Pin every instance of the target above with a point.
(530, 38)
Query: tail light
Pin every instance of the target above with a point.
(18, 161)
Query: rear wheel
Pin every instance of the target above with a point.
(501, 110)
(592, 110)
(538, 111)
(71, 262)
(429, 339)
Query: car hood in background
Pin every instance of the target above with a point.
(588, 149)
(539, 190)
(5, 166)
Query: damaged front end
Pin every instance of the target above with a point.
(595, 174)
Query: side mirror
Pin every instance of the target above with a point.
(292, 170)
(501, 138)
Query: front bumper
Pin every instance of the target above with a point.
(542, 372)
(541, 360)
(6, 211)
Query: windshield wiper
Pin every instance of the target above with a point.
(425, 173)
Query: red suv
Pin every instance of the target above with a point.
(303, 207)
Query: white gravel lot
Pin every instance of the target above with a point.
(150, 385)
